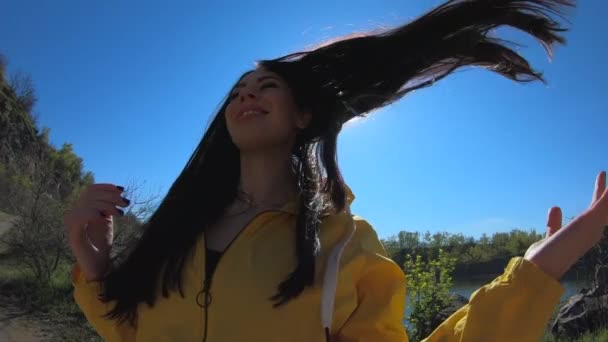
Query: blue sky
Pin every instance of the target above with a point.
(133, 84)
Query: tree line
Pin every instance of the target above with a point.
(483, 256)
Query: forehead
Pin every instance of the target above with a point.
(256, 75)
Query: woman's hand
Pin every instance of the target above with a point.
(554, 223)
(562, 247)
(90, 227)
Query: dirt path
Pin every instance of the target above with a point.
(17, 326)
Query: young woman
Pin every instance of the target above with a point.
(255, 240)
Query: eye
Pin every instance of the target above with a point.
(233, 96)
(269, 85)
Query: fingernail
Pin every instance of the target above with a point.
(127, 201)
(120, 188)
(122, 213)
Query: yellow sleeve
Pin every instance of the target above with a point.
(380, 295)
(86, 296)
(515, 307)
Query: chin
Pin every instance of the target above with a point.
(255, 142)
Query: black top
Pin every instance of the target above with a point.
(212, 257)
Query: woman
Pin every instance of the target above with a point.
(255, 241)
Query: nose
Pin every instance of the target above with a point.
(247, 95)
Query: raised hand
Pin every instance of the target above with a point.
(562, 247)
(554, 223)
(90, 227)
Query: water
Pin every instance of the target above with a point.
(466, 288)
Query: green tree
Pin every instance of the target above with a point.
(37, 236)
(67, 168)
(409, 240)
(429, 283)
(520, 240)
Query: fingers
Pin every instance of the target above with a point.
(103, 192)
(106, 187)
(78, 217)
(106, 208)
(554, 221)
(600, 186)
(97, 204)
(107, 196)
(599, 209)
(602, 203)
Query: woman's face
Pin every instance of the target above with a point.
(262, 113)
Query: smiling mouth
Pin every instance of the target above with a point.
(251, 113)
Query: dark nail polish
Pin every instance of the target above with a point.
(126, 200)
(120, 188)
(122, 213)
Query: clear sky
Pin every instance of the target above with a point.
(132, 85)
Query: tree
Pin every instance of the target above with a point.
(5, 186)
(2, 67)
(45, 135)
(429, 283)
(23, 87)
(520, 240)
(37, 235)
(391, 246)
(409, 240)
(129, 228)
(68, 172)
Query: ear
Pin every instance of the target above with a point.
(303, 119)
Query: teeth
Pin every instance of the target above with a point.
(251, 112)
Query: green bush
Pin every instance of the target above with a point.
(429, 283)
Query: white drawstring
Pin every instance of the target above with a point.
(330, 278)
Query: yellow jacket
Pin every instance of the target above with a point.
(359, 294)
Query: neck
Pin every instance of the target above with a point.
(266, 176)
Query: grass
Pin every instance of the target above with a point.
(4, 216)
(47, 304)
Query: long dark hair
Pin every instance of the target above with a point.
(336, 82)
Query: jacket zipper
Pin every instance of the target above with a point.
(204, 297)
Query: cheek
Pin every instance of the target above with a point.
(284, 109)
(230, 110)
(275, 129)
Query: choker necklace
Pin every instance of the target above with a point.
(246, 198)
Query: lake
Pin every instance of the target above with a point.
(466, 288)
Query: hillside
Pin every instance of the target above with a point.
(20, 142)
(5, 224)
(27, 158)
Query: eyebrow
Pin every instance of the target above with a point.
(260, 79)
